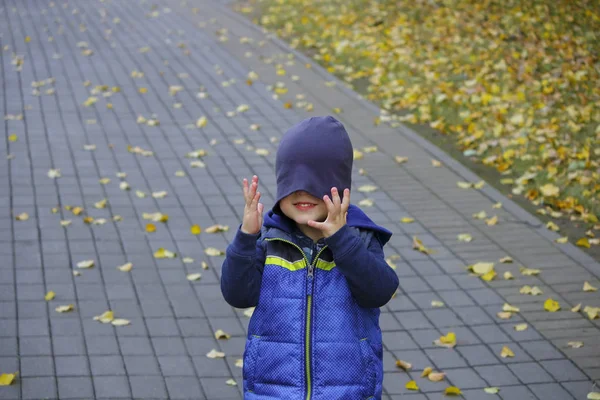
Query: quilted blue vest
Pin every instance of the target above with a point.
(308, 338)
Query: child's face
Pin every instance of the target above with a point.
(303, 207)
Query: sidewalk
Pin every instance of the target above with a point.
(85, 87)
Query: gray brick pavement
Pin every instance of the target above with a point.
(162, 353)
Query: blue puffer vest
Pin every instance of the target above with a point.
(308, 338)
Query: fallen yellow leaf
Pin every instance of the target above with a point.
(357, 155)
(217, 228)
(367, 188)
(66, 308)
(575, 345)
(106, 317)
(521, 327)
(220, 334)
(492, 221)
(436, 163)
(448, 341)
(194, 277)
(436, 376)
(508, 308)
(120, 322)
(481, 268)
(506, 260)
(436, 303)
(215, 354)
(125, 267)
(13, 137)
(407, 220)
(504, 315)
(593, 396)
(412, 385)
(491, 390)
(551, 305)
(403, 364)
(592, 312)
(49, 296)
(211, 251)
(452, 391)
(150, 228)
(163, 253)
(464, 237)
(195, 229)
(576, 308)
(85, 264)
(400, 160)
(587, 287)
(583, 242)
(231, 382)
(508, 275)
(7, 379)
(562, 240)
(529, 271)
(426, 372)
(506, 352)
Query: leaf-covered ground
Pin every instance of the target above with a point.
(515, 83)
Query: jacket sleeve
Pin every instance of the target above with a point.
(372, 281)
(241, 274)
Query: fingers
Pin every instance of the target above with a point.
(254, 203)
(335, 196)
(317, 225)
(250, 191)
(329, 204)
(346, 200)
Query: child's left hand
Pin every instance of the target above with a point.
(336, 213)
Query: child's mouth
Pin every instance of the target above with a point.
(304, 206)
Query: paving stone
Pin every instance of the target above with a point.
(107, 365)
(75, 387)
(530, 373)
(563, 370)
(550, 391)
(111, 386)
(445, 358)
(37, 366)
(182, 387)
(477, 355)
(141, 365)
(71, 365)
(497, 375)
(148, 387)
(38, 388)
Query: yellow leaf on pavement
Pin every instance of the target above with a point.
(480, 215)
(239, 363)
(481, 268)
(194, 277)
(508, 308)
(85, 264)
(49, 296)
(195, 229)
(426, 372)
(464, 237)
(120, 322)
(366, 203)
(506, 352)
(418, 245)
(437, 303)
(552, 226)
(407, 220)
(575, 345)
(106, 317)
(220, 334)
(492, 221)
(150, 228)
(66, 308)
(497, 205)
(163, 253)
(436, 376)
(403, 364)
(125, 267)
(101, 204)
(504, 315)
(7, 379)
(491, 390)
(583, 242)
(551, 305)
(587, 287)
(521, 327)
(464, 185)
(367, 188)
(562, 240)
(215, 354)
(489, 276)
(22, 217)
(231, 382)
(217, 228)
(401, 160)
(593, 396)
(357, 155)
(211, 251)
(452, 391)
(436, 163)
(549, 190)
(412, 385)
(13, 137)
(506, 260)
(576, 308)
(529, 271)
(508, 275)
(448, 341)
(592, 312)
(159, 195)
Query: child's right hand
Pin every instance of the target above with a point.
(253, 210)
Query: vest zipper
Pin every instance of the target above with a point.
(308, 322)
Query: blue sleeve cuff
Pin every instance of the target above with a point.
(244, 243)
(342, 241)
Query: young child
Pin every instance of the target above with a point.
(315, 271)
